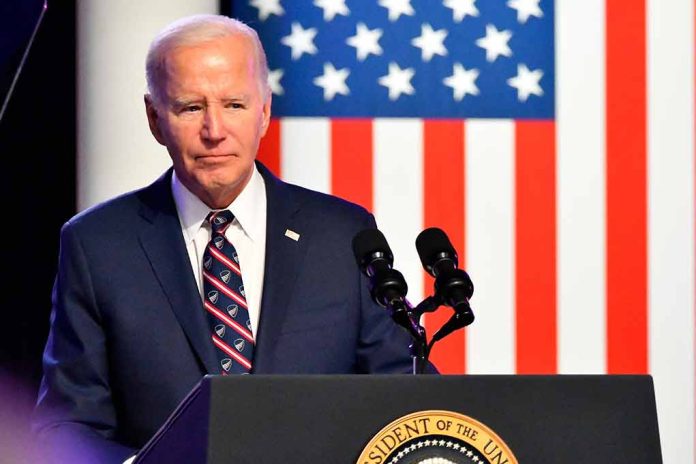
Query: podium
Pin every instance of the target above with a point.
(569, 419)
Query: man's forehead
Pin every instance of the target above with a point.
(195, 61)
(234, 45)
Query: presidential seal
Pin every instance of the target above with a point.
(436, 437)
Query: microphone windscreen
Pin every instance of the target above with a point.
(431, 244)
(370, 241)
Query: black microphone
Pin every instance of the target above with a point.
(452, 285)
(375, 259)
(387, 285)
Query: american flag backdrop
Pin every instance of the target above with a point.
(552, 140)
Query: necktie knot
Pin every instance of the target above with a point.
(220, 220)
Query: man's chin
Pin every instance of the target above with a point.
(222, 187)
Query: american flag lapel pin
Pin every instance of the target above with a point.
(292, 234)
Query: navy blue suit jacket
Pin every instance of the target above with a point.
(129, 338)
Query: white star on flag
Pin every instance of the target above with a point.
(526, 82)
(300, 40)
(365, 41)
(397, 8)
(332, 8)
(398, 81)
(495, 43)
(462, 81)
(525, 9)
(274, 78)
(333, 81)
(461, 8)
(430, 42)
(267, 8)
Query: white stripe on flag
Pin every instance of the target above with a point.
(306, 152)
(398, 194)
(490, 252)
(670, 54)
(581, 209)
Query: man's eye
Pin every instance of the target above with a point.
(184, 109)
(235, 106)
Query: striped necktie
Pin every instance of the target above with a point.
(224, 299)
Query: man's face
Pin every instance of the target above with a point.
(212, 117)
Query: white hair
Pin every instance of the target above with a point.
(194, 30)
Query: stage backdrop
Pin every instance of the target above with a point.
(552, 141)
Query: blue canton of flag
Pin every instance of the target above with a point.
(407, 58)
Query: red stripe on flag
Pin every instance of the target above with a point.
(269, 149)
(443, 199)
(351, 162)
(627, 331)
(535, 247)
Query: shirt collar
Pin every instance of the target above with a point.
(246, 207)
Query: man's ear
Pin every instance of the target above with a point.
(153, 119)
(266, 114)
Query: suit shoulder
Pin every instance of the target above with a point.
(331, 206)
(105, 212)
(115, 214)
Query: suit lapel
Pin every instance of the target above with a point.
(163, 243)
(284, 257)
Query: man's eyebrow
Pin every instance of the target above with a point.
(177, 102)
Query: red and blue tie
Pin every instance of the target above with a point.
(224, 299)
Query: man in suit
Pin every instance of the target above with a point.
(130, 333)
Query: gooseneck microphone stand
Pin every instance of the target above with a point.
(402, 314)
(409, 318)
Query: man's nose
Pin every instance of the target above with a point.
(213, 126)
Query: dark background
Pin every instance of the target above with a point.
(38, 152)
(38, 146)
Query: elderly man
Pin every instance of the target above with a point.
(217, 267)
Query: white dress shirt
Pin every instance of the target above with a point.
(247, 233)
